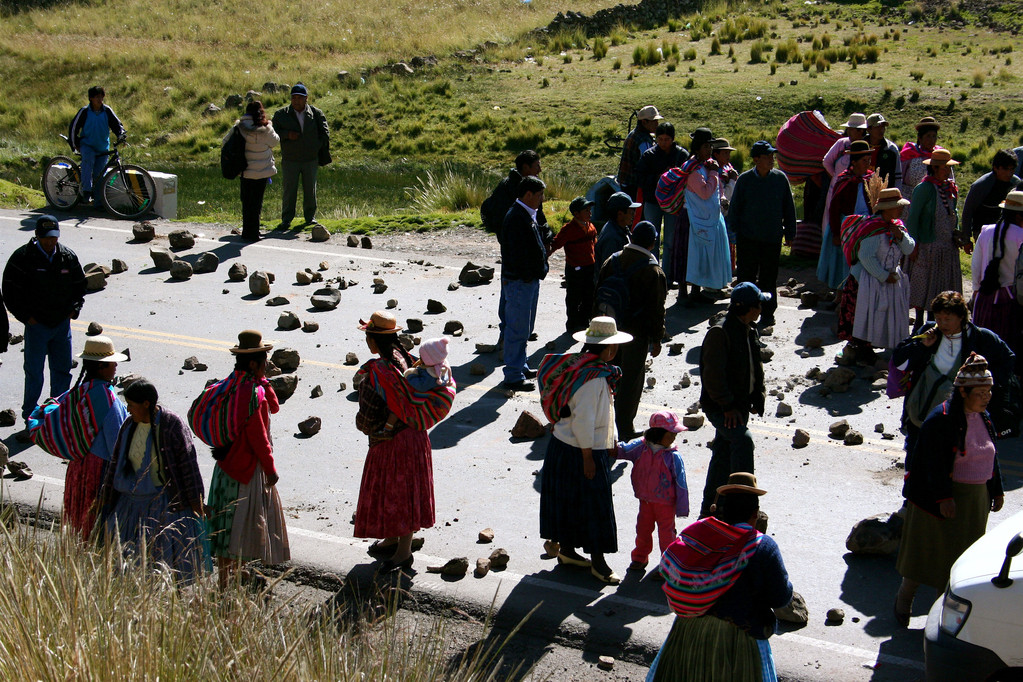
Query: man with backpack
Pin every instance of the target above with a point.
(733, 387)
(495, 207)
(305, 146)
(524, 248)
(614, 236)
(632, 289)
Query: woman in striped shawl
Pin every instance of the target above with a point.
(576, 509)
(722, 579)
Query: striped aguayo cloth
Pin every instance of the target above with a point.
(65, 426)
(219, 412)
(560, 376)
(802, 143)
(703, 562)
(420, 410)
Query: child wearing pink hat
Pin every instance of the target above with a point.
(659, 482)
(431, 371)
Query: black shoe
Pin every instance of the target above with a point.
(251, 237)
(533, 337)
(390, 566)
(765, 322)
(530, 373)
(520, 385)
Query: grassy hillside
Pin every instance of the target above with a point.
(742, 69)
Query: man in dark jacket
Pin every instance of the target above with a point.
(614, 236)
(638, 141)
(733, 387)
(523, 264)
(884, 153)
(760, 214)
(89, 135)
(305, 146)
(44, 288)
(645, 321)
(496, 206)
(652, 164)
(982, 201)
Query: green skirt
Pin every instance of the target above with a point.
(708, 649)
(223, 501)
(930, 545)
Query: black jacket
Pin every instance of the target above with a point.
(495, 207)
(652, 164)
(889, 164)
(523, 246)
(730, 354)
(5, 326)
(984, 342)
(48, 290)
(928, 478)
(648, 290)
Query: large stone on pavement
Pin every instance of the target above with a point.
(117, 266)
(207, 262)
(838, 379)
(692, 421)
(284, 386)
(413, 325)
(435, 307)
(352, 241)
(162, 258)
(181, 239)
(237, 272)
(528, 426)
(795, 611)
(878, 534)
(499, 559)
(8, 417)
(181, 270)
(838, 429)
(259, 283)
(143, 231)
(95, 280)
(287, 359)
(319, 233)
(327, 298)
(801, 438)
(310, 427)
(288, 321)
(853, 437)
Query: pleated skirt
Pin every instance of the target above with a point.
(396, 494)
(574, 510)
(247, 520)
(81, 485)
(708, 649)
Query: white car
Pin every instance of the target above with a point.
(975, 630)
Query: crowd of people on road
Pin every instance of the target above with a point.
(887, 223)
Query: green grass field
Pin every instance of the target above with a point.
(741, 68)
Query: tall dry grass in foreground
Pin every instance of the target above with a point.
(72, 613)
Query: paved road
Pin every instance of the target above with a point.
(483, 477)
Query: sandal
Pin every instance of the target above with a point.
(573, 561)
(551, 548)
(610, 578)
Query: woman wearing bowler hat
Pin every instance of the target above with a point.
(246, 519)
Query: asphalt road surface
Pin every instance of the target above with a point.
(483, 477)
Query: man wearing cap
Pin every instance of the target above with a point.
(305, 146)
(638, 141)
(733, 386)
(723, 578)
(523, 264)
(884, 153)
(645, 321)
(44, 287)
(982, 201)
(614, 236)
(653, 163)
(578, 236)
(761, 214)
(494, 208)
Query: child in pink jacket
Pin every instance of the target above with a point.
(659, 482)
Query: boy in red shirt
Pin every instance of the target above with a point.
(578, 236)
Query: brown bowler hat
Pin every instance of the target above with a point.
(250, 341)
(741, 482)
(380, 322)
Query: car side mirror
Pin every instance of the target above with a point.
(1015, 546)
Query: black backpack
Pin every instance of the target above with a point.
(612, 295)
(232, 155)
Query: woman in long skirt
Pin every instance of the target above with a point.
(709, 259)
(153, 491)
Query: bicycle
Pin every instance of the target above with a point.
(126, 190)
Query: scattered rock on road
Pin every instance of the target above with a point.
(795, 611)
(606, 663)
(143, 231)
(284, 386)
(366, 243)
(853, 437)
(486, 535)
(117, 266)
(276, 301)
(317, 392)
(692, 421)
(303, 277)
(528, 426)
(838, 429)
(453, 327)
(801, 438)
(482, 567)
(784, 410)
(835, 616)
(319, 234)
(162, 258)
(288, 321)
(455, 567)
(435, 307)
(353, 241)
(351, 359)
(237, 272)
(287, 359)
(206, 262)
(499, 559)
(310, 426)
(259, 283)
(310, 327)
(181, 270)
(477, 369)
(95, 329)
(413, 325)
(327, 298)
(8, 417)
(392, 303)
(181, 239)
(878, 534)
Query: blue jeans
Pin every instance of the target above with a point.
(42, 342)
(520, 299)
(732, 451)
(93, 164)
(666, 226)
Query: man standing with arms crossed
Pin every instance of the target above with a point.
(44, 288)
(305, 146)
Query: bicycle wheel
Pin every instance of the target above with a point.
(62, 182)
(128, 191)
